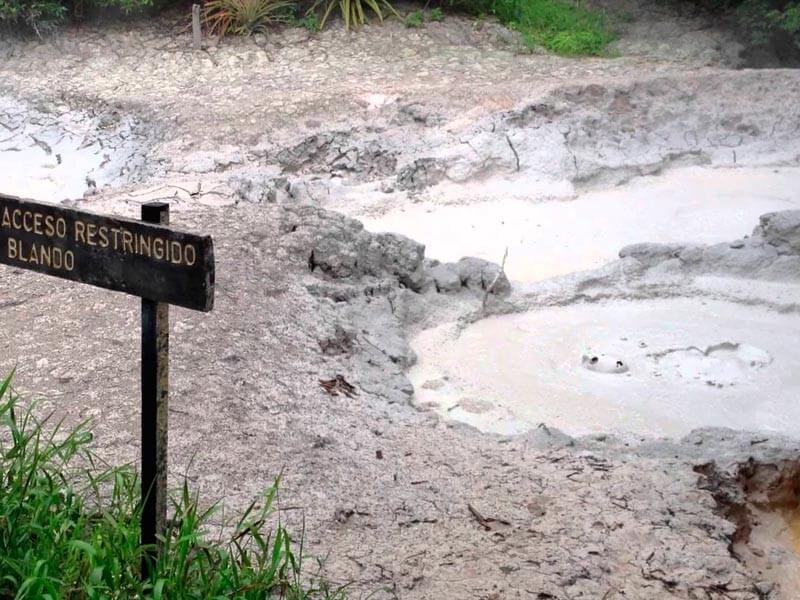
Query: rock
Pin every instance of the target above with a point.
(781, 230)
(651, 254)
(420, 174)
(772, 252)
(445, 277)
(260, 189)
(478, 274)
(546, 437)
(399, 256)
(342, 249)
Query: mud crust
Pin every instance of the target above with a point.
(252, 141)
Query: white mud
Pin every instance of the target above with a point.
(687, 364)
(64, 154)
(550, 238)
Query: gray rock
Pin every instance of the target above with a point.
(422, 173)
(342, 249)
(651, 254)
(781, 230)
(772, 252)
(445, 277)
(478, 274)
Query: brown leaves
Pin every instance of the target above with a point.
(338, 385)
(488, 523)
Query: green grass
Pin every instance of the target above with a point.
(415, 19)
(69, 528)
(562, 26)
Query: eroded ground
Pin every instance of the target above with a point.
(256, 141)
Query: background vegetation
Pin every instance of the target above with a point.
(563, 26)
(69, 528)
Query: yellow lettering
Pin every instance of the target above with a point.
(6, 217)
(61, 228)
(190, 255)
(177, 253)
(103, 233)
(91, 232)
(144, 245)
(12, 248)
(127, 241)
(45, 255)
(28, 215)
(49, 229)
(69, 260)
(80, 231)
(58, 258)
(37, 223)
(158, 248)
(33, 256)
(116, 232)
(17, 214)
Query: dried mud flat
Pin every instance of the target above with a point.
(253, 141)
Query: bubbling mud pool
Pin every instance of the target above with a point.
(688, 364)
(550, 238)
(652, 368)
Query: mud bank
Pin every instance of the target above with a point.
(551, 238)
(450, 119)
(65, 154)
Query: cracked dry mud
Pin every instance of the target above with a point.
(258, 141)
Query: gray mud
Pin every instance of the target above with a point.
(58, 154)
(254, 141)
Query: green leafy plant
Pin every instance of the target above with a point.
(563, 26)
(69, 528)
(308, 21)
(435, 14)
(354, 12)
(39, 16)
(764, 19)
(244, 17)
(414, 19)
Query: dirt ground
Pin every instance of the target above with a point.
(250, 140)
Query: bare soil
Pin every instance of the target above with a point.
(247, 139)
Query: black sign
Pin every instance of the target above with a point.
(151, 261)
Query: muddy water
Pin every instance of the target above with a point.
(663, 368)
(792, 518)
(773, 550)
(547, 239)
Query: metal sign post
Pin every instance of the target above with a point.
(143, 258)
(155, 408)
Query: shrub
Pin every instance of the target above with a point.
(563, 26)
(40, 16)
(43, 16)
(244, 17)
(70, 529)
(415, 19)
(765, 20)
(354, 12)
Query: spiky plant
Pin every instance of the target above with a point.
(354, 12)
(244, 17)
